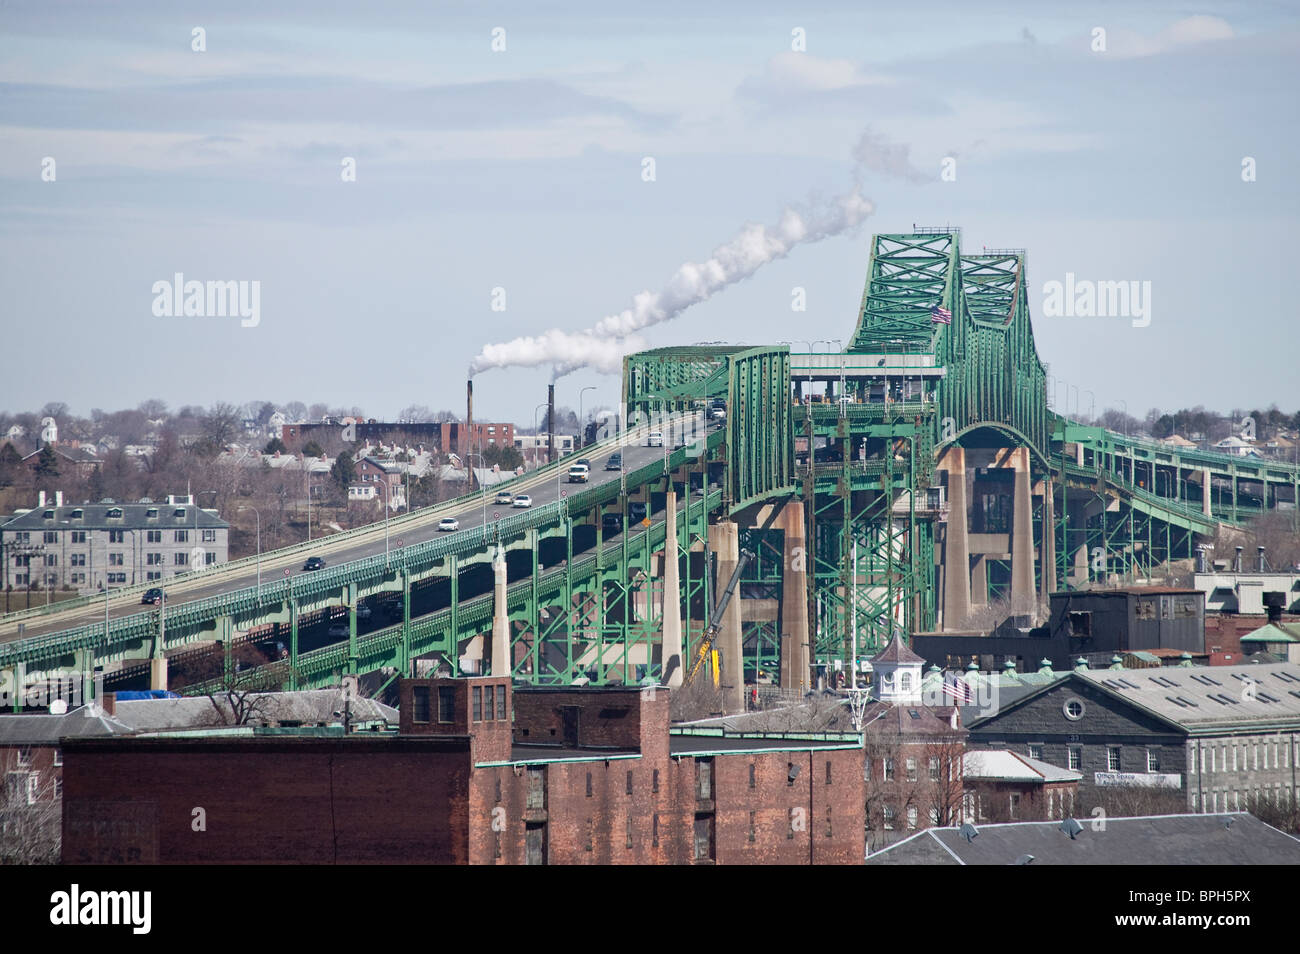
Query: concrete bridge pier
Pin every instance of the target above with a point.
(795, 654)
(500, 620)
(671, 649)
(956, 547)
(724, 540)
(1022, 531)
(1047, 555)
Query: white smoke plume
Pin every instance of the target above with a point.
(602, 347)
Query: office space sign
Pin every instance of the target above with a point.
(1141, 779)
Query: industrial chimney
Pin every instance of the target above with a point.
(1263, 567)
(1200, 559)
(1236, 561)
(550, 423)
(467, 442)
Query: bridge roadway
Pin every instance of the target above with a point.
(544, 485)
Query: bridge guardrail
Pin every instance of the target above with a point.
(127, 629)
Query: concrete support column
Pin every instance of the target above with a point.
(1022, 532)
(158, 672)
(979, 581)
(501, 663)
(1047, 556)
(956, 548)
(795, 652)
(724, 541)
(671, 650)
(1205, 500)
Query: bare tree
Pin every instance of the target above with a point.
(239, 684)
(30, 822)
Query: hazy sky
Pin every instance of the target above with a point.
(521, 169)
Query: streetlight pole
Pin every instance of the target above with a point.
(195, 501)
(259, 549)
(582, 430)
(536, 429)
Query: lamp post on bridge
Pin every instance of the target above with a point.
(259, 549)
(582, 428)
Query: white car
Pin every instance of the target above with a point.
(448, 523)
(505, 497)
(338, 630)
(522, 500)
(655, 439)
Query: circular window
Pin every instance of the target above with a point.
(1073, 710)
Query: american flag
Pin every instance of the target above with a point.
(941, 316)
(958, 689)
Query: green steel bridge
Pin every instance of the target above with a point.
(902, 482)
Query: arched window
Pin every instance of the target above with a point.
(905, 681)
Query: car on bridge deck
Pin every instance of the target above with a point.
(615, 461)
(522, 500)
(153, 595)
(654, 439)
(314, 563)
(448, 523)
(504, 497)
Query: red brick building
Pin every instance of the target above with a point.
(1005, 786)
(577, 776)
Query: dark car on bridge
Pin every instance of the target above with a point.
(153, 595)
(314, 563)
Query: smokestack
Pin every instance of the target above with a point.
(1200, 559)
(466, 444)
(1263, 567)
(550, 423)
(1236, 561)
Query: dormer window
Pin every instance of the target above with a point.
(78, 514)
(151, 513)
(114, 513)
(179, 512)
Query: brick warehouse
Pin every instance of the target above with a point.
(579, 776)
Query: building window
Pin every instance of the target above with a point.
(1112, 758)
(33, 787)
(153, 536)
(78, 536)
(182, 536)
(911, 770)
(501, 702)
(751, 828)
(446, 704)
(209, 536)
(51, 559)
(629, 782)
(888, 814)
(654, 787)
(153, 559)
(116, 559)
(752, 780)
(478, 704)
(77, 559)
(654, 836)
(704, 779)
(889, 770)
(1073, 710)
(828, 771)
(1153, 760)
(1036, 752)
(934, 816)
(490, 701)
(420, 704)
(24, 756)
(934, 770)
(1075, 758)
(51, 536)
(905, 681)
(1015, 804)
(180, 559)
(117, 536)
(209, 558)
(589, 785)
(629, 830)
(911, 816)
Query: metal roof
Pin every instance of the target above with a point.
(1006, 766)
(135, 516)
